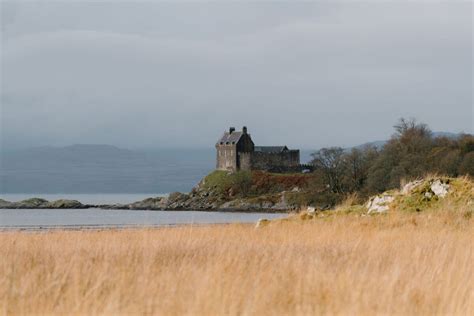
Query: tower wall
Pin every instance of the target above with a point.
(226, 157)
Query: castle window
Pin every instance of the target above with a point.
(227, 143)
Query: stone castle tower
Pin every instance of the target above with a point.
(236, 151)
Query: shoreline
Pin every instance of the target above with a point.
(119, 208)
(101, 227)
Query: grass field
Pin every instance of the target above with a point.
(403, 264)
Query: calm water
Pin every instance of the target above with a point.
(104, 169)
(36, 218)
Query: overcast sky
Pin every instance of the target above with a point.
(305, 74)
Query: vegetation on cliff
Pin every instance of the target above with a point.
(410, 154)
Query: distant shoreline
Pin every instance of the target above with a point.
(36, 228)
(42, 204)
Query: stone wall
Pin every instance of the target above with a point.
(226, 157)
(245, 161)
(229, 158)
(267, 161)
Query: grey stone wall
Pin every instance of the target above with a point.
(226, 157)
(229, 158)
(245, 161)
(267, 161)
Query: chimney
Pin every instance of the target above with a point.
(231, 130)
(244, 130)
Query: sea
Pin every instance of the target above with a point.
(103, 174)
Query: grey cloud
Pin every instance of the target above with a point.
(178, 74)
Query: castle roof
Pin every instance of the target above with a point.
(271, 149)
(230, 138)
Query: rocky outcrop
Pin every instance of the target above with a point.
(420, 194)
(37, 203)
(66, 204)
(219, 191)
(439, 188)
(5, 204)
(205, 200)
(380, 203)
(410, 186)
(269, 203)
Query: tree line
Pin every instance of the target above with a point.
(412, 152)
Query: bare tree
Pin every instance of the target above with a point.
(330, 161)
(357, 163)
(411, 128)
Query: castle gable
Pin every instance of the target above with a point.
(230, 138)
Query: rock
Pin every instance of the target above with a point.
(439, 188)
(282, 204)
(65, 204)
(379, 203)
(157, 203)
(266, 205)
(262, 222)
(42, 204)
(410, 186)
(228, 205)
(32, 203)
(311, 210)
(5, 204)
(177, 197)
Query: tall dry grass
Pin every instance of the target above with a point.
(402, 264)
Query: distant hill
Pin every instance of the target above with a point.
(447, 134)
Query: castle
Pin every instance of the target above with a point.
(236, 151)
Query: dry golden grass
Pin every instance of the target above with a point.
(402, 264)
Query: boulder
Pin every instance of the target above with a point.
(262, 222)
(311, 210)
(380, 203)
(439, 188)
(410, 186)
